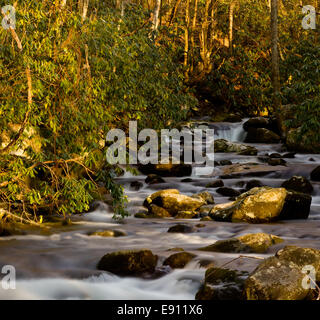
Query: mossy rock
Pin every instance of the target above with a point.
(133, 262)
(108, 233)
(281, 277)
(249, 243)
(179, 260)
(222, 284)
(158, 212)
(186, 215)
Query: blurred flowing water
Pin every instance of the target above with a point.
(63, 265)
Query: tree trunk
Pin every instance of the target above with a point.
(231, 10)
(156, 13)
(83, 8)
(275, 54)
(174, 11)
(193, 30)
(186, 39)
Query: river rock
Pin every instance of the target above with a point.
(205, 196)
(258, 122)
(173, 201)
(315, 174)
(249, 243)
(215, 184)
(261, 135)
(153, 179)
(299, 184)
(166, 170)
(262, 205)
(136, 185)
(158, 212)
(281, 277)
(222, 145)
(186, 215)
(108, 233)
(296, 206)
(222, 284)
(179, 260)
(132, 262)
(228, 192)
(181, 228)
(276, 162)
(253, 184)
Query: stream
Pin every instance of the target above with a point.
(63, 265)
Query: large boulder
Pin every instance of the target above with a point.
(166, 170)
(222, 145)
(281, 277)
(173, 202)
(298, 184)
(222, 284)
(134, 262)
(179, 260)
(181, 228)
(258, 122)
(249, 243)
(261, 135)
(315, 174)
(262, 205)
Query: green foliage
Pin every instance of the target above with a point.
(87, 77)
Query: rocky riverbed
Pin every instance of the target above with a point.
(208, 247)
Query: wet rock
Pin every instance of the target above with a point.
(315, 174)
(153, 179)
(179, 260)
(289, 155)
(276, 162)
(222, 284)
(296, 206)
(275, 155)
(258, 122)
(205, 210)
(261, 135)
(312, 160)
(222, 145)
(158, 212)
(205, 196)
(136, 185)
(233, 118)
(108, 233)
(253, 184)
(186, 215)
(228, 192)
(260, 242)
(166, 170)
(173, 201)
(249, 243)
(281, 277)
(215, 184)
(299, 184)
(259, 205)
(206, 218)
(187, 180)
(141, 215)
(181, 228)
(133, 262)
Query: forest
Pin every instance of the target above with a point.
(72, 70)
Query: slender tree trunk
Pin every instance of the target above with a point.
(231, 10)
(83, 8)
(193, 30)
(186, 39)
(174, 11)
(275, 54)
(156, 14)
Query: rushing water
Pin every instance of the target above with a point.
(63, 265)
